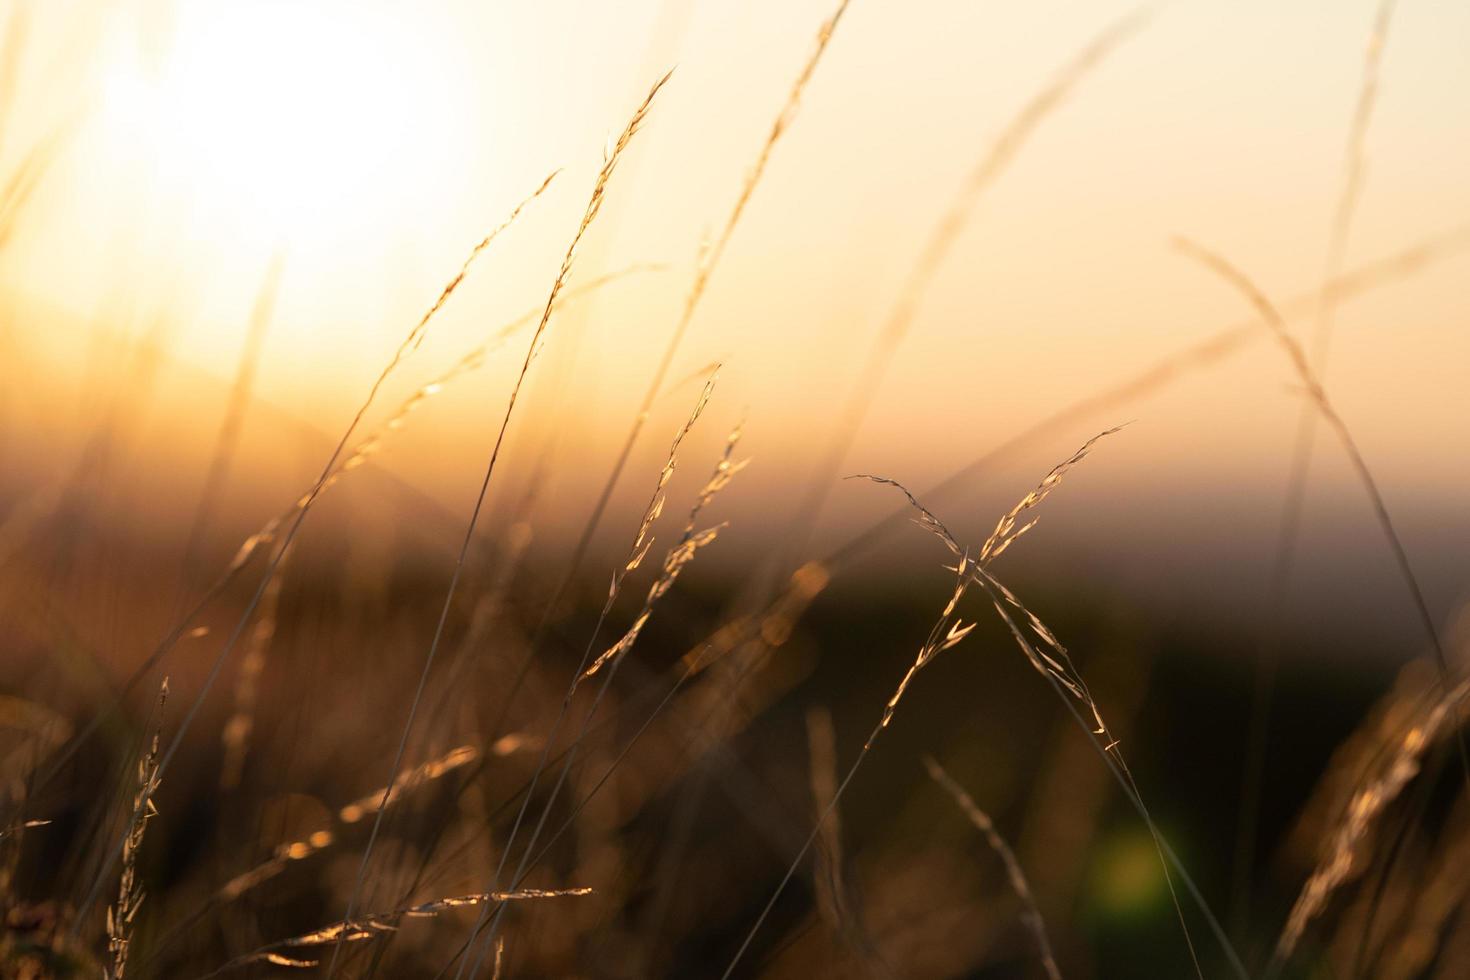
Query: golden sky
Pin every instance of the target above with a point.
(369, 145)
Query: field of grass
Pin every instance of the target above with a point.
(571, 638)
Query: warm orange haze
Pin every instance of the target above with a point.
(552, 489)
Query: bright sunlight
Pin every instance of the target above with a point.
(287, 121)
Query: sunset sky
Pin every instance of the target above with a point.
(369, 145)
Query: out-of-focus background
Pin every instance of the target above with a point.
(221, 220)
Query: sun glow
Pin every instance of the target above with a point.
(288, 121)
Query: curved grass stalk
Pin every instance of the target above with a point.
(1300, 362)
(594, 205)
(410, 342)
(1284, 561)
(268, 533)
(932, 257)
(1031, 915)
(1367, 804)
(679, 555)
(709, 261)
(369, 926)
(949, 630)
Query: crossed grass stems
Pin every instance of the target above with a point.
(969, 572)
(1215, 348)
